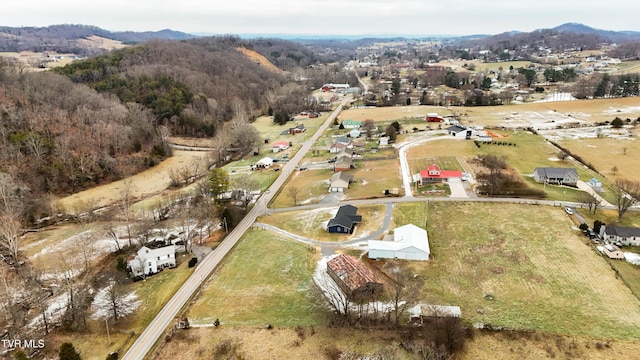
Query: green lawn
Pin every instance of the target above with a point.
(266, 280)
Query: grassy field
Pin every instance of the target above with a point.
(606, 153)
(540, 273)
(312, 223)
(312, 185)
(273, 290)
(373, 177)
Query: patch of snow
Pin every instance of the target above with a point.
(54, 312)
(632, 258)
(102, 308)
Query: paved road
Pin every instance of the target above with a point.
(149, 337)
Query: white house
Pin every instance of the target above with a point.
(409, 243)
(150, 261)
(264, 163)
(627, 236)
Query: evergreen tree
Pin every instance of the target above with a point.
(68, 352)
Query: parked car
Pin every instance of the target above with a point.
(568, 210)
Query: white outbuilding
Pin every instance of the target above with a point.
(409, 242)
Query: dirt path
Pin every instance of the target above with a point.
(149, 182)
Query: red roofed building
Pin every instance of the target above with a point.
(433, 174)
(354, 278)
(280, 146)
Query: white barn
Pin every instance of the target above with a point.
(150, 261)
(409, 243)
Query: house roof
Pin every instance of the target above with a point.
(343, 140)
(346, 217)
(403, 237)
(441, 174)
(341, 176)
(456, 128)
(146, 253)
(352, 272)
(265, 161)
(622, 231)
(280, 143)
(553, 172)
(352, 122)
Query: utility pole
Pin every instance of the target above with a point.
(106, 322)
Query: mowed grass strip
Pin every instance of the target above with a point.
(312, 223)
(266, 280)
(539, 271)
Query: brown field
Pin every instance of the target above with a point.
(145, 184)
(314, 343)
(606, 153)
(589, 111)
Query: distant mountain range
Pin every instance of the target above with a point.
(67, 38)
(612, 36)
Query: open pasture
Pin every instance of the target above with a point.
(280, 295)
(522, 267)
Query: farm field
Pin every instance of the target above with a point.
(280, 295)
(536, 114)
(606, 153)
(538, 279)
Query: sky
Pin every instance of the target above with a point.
(325, 17)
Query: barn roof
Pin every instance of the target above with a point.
(352, 272)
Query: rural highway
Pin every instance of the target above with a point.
(166, 317)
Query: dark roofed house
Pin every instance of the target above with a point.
(354, 278)
(559, 176)
(345, 220)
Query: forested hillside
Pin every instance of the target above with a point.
(102, 118)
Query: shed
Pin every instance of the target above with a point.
(409, 243)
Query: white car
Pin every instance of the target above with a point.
(568, 210)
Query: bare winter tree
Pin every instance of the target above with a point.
(590, 201)
(293, 192)
(627, 193)
(403, 290)
(124, 206)
(112, 233)
(10, 233)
